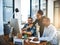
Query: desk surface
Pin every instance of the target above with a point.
(29, 43)
(25, 43)
(41, 43)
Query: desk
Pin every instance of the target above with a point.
(29, 43)
(42, 43)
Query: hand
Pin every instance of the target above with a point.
(23, 32)
(30, 25)
(24, 29)
(20, 36)
(35, 39)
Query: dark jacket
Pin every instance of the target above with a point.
(41, 26)
(32, 29)
(7, 29)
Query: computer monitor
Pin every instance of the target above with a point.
(15, 25)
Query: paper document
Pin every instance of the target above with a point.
(35, 41)
(31, 38)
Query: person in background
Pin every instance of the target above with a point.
(7, 28)
(39, 21)
(4, 39)
(49, 33)
(29, 28)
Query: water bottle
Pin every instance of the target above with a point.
(25, 36)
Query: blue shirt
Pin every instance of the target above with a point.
(49, 34)
(32, 29)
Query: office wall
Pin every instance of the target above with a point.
(1, 17)
(57, 14)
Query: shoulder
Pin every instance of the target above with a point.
(26, 24)
(34, 27)
(36, 20)
(52, 27)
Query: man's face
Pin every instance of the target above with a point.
(30, 21)
(38, 16)
(45, 22)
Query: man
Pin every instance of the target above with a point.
(39, 21)
(29, 28)
(49, 33)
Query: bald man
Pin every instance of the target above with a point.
(49, 33)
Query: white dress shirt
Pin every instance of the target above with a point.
(49, 34)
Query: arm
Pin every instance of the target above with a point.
(25, 27)
(28, 33)
(31, 32)
(50, 36)
(35, 22)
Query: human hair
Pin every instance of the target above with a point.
(8, 22)
(43, 17)
(46, 18)
(30, 18)
(40, 12)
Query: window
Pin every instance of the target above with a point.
(44, 6)
(25, 10)
(29, 8)
(7, 10)
(1, 18)
(34, 7)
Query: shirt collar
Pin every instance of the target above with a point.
(48, 26)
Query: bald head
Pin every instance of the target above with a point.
(46, 21)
